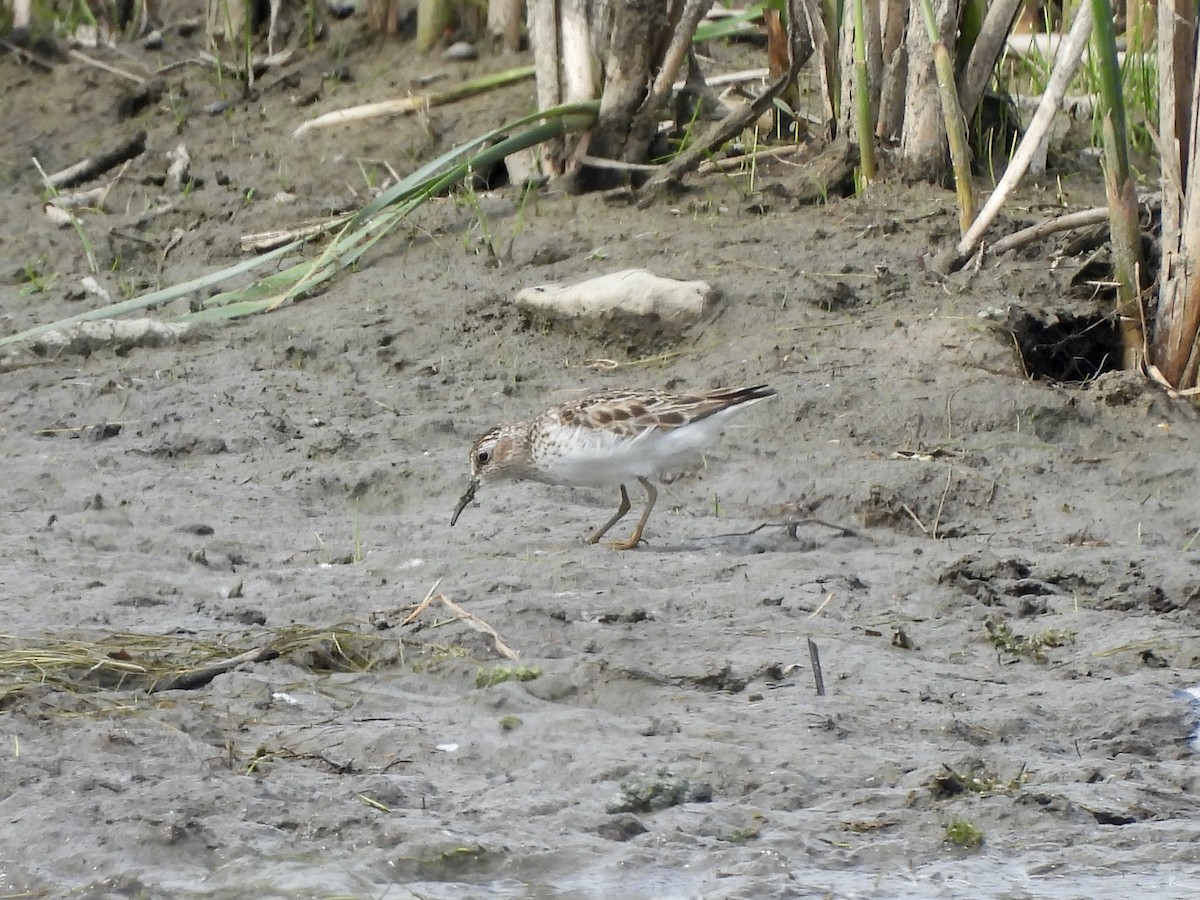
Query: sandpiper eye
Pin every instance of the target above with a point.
(483, 457)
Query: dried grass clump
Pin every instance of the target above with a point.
(127, 661)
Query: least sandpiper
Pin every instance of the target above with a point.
(607, 438)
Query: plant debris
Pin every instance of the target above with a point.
(1006, 640)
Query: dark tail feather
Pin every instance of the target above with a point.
(736, 396)
(727, 398)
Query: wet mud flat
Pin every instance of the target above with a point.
(1004, 608)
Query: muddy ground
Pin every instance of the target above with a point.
(1003, 613)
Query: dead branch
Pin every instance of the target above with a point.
(105, 67)
(197, 678)
(261, 241)
(733, 162)
(407, 105)
(1069, 55)
(800, 48)
(1082, 219)
(814, 657)
(997, 23)
(87, 169)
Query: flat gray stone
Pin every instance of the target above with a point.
(633, 302)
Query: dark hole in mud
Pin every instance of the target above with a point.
(621, 828)
(1110, 818)
(994, 133)
(947, 784)
(839, 296)
(1064, 346)
(490, 178)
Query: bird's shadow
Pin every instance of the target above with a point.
(799, 536)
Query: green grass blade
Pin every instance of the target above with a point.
(379, 217)
(154, 298)
(729, 26)
(571, 116)
(427, 181)
(1112, 100)
(356, 237)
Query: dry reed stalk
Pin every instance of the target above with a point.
(1176, 345)
(1070, 53)
(406, 105)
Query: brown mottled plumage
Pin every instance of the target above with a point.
(604, 438)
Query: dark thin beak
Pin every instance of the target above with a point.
(467, 497)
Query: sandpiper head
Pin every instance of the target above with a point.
(495, 454)
(489, 452)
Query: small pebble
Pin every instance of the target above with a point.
(87, 36)
(461, 51)
(308, 98)
(250, 617)
(199, 529)
(153, 41)
(430, 78)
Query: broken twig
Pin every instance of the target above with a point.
(87, 169)
(105, 67)
(408, 105)
(814, 657)
(1082, 219)
(197, 678)
(469, 619)
(269, 240)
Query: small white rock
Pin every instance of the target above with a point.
(460, 51)
(634, 294)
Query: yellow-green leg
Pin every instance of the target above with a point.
(616, 517)
(636, 537)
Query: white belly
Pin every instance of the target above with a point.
(594, 456)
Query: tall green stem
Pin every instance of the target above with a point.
(956, 126)
(862, 96)
(1125, 232)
